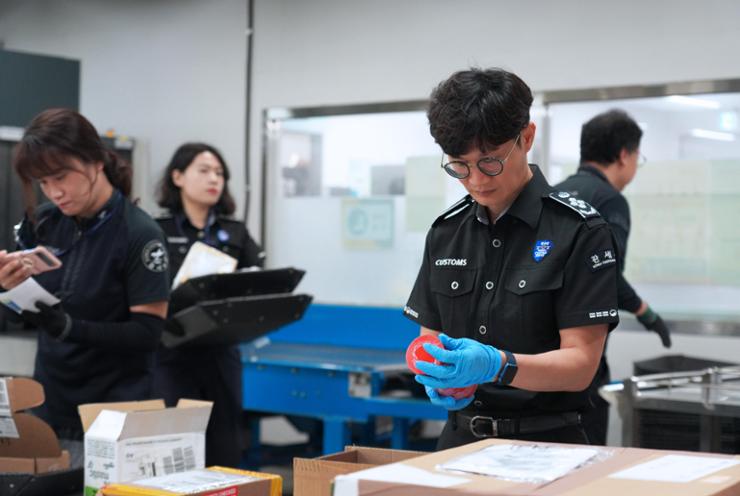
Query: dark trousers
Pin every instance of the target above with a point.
(457, 434)
(212, 374)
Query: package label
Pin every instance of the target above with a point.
(7, 424)
(8, 428)
(138, 458)
(4, 399)
(676, 468)
(198, 481)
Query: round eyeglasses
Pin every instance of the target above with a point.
(490, 166)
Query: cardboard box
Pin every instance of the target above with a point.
(661, 472)
(27, 443)
(135, 440)
(213, 481)
(313, 476)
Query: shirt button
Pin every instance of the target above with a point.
(182, 250)
(455, 285)
(496, 243)
(201, 234)
(482, 329)
(478, 403)
(522, 283)
(489, 285)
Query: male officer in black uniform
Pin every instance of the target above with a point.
(521, 279)
(610, 155)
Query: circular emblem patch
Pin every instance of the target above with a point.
(154, 256)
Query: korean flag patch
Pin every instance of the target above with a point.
(541, 249)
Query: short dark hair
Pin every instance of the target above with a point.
(169, 193)
(55, 135)
(478, 108)
(605, 135)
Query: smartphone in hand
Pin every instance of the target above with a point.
(40, 259)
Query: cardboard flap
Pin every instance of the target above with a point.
(35, 439)
(188, 403)
(166, 421)
(22, 393)
(88, 413)
(108, 424)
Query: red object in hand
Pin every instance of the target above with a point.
(459, 393)
(416, 352)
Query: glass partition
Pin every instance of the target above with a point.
(350, 193)
(350, 198)
(684, 248)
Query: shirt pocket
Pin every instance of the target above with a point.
(453, 291)
(531, 291)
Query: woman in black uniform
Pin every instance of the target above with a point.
(98, 344)
(194, 189)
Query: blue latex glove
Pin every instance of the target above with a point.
(464, 362)
(448, 402)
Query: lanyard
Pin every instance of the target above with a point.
(221, 236)
(112, 207)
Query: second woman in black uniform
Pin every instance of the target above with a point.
(194, 190)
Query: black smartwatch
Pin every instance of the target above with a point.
(509, 371)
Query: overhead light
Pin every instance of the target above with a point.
(693, 101)
(728, 121)
(712, 135)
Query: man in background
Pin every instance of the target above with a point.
(610, 157)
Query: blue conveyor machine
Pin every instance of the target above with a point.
(336, 365)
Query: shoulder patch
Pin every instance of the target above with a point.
(583, 209)
(455, 209)
(154, 256)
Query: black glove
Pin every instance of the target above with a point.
(54, 320)
(653, 322)
(173, 327)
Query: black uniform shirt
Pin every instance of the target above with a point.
(111, 262)
(547, 264)
(591, 185)
(228, 235)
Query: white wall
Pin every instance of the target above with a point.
(350, 51)
(325, 52)
(163, 71)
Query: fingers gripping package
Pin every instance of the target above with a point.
(416, 352)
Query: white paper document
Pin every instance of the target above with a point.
(675, 468)
(347, 485)
(536, 464)
(25, 295)
(203, 260)
(194, 481)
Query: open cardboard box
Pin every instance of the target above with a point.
(27, 443)
(141, 439)
(660, 472)
(31, 461)
(313, 476)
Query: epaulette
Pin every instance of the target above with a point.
(582, 208)
(164, 217)
(455, 209)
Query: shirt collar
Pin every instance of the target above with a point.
(527, 206)
(183, 221)
(588, 168)
(104, 212)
